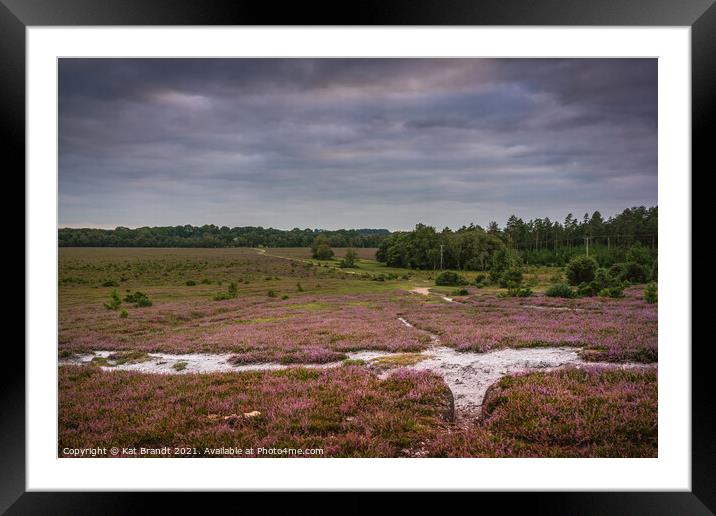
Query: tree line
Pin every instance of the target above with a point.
(536, 242)
(215, 236)
(540, 241)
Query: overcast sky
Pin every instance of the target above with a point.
(353, 143)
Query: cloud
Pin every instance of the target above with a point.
(353, 142)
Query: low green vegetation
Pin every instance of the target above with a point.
(321, 248)
(138, 300)
(114, 301)
(450, 279)
(581, 269)
(560, 290)
(349, 260)
(651, 293)
(180, 366)
(232, 291)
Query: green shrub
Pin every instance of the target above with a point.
(139, 299)
(110, 283)
(559, 290)
(124, 314)
(349, 261)
(299, 287)
(450, 279)
(516, 292)
(460, 292)
(581, 269)
(586, 289)
(611, 292)
(639, 254)
(206, 281)
(190, 283)
(231, 292)
(511, 278)
(272, 293)
(603, 279)
(635, 273)
(284, 297)
(114, 301)
(502, 260)
(321, 249)
(616, 271)
(481, 280)
(651, 293)
(655, 271)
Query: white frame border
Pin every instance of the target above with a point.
(670, 471)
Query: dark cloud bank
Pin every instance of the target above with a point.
(351, 143)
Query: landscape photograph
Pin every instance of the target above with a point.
(357, 258)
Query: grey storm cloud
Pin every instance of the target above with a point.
(353, 142)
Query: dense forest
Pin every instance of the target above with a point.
(537, 242)
(215, 236)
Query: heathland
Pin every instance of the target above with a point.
(305, 348)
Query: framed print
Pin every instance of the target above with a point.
(416, 249)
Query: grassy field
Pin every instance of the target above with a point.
(281, 306)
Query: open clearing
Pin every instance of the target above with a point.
(439, 361)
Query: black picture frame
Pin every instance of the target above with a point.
(700, 15)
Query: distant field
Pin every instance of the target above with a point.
(287, 308)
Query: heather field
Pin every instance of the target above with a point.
(275, 349)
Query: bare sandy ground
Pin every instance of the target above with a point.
(468, 374)
(425, 291)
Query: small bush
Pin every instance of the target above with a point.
(639, 254)
(231, 292)
(299, 287)
(450, 279)
(284, 297)
(349, 261)
(110, 283)
(635, 273)
(587, 289)
(581, 269)
(272, 293)
(655, 271)
(616, 271)
(651, 293)
(124, 314)
(114, 301)
(139, 299)
(516, 292)
(206, 281)
(460, 292)
(511, 278)
(603, 279)
(559, 290)
(612, 292)
(481, 280)
(190, 283)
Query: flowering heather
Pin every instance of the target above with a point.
(295, 330)
(614, 330)
(594, 412)
(347, 411)
(566, 413)
(350, 412)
